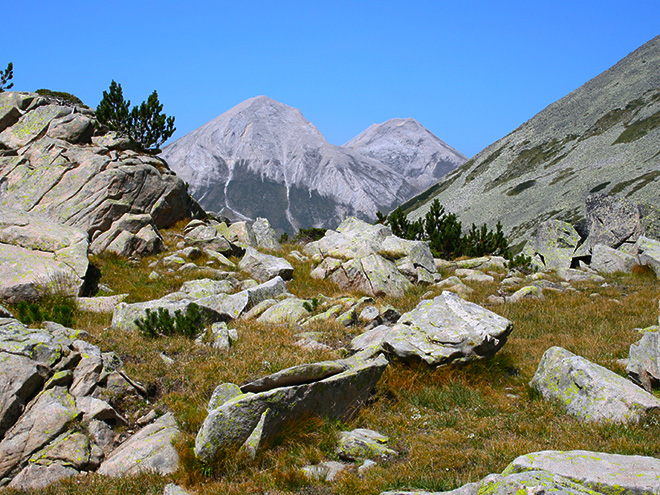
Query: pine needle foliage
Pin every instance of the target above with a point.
(445, 236)
(6, 76)
(144, 124)
(161, 323)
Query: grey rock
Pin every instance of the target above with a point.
(74, 128)
(286, 311)
(335, 397)
(265, 235)
(361, 444)
(36, 476)
(208, 236)
(554, 244)
(239, 234)
(440, 331)
(172, 489)
(102, 435)
(263, 267)
(605, 259)
(589, 391)
(526, 293)
(70, 448)
(297, 375)
(223, 393)
(324, 471)
(100, 304)
(47, 416)
(130, 235)
(149, 449)
(573, 275)
(649, 253)
(533, 483)
(373, 275)
(38, 255)
(603, 473)
(58, 176)
(644, 361)
(20, 380)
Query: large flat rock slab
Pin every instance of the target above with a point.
(604, 473)
(38, 255)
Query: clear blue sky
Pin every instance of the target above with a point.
(470, 71)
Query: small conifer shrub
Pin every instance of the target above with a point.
(161, 323)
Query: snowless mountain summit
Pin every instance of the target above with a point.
(262, 158)
(409, 148)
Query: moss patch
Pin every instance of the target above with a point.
(640, 182)
(521, 187)
(639, 129)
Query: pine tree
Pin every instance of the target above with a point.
(148, 126)
(5, 77)
(112, 111)
(144, 124)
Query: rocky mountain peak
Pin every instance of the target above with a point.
(409, 148)
(262, 158)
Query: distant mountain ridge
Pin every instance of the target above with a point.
(263, 158)
(602, 137)
(411, 149)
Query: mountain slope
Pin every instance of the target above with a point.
(409, 148)
(263, 158)
(604, 136)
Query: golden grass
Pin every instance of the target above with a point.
(452, 425)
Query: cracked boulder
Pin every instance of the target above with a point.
(553, 245)
(440, 331)
(588, 390)
(367, 258)
(644, 361)
(253, 419)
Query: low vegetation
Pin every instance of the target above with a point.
(452, 425)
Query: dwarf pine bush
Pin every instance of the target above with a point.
(161, 323)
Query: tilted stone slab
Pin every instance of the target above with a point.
(150, 449)
(47, 416)
(296, 375)
(590, 391)
(337, 396)
(30, 126)
(440, 331)
(603, 473)
(265, 235)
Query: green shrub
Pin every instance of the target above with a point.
(59, 311)
(521, 263)
(60, 95)
(303, 236)
(444, 233)
(160, 323)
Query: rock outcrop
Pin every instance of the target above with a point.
(38, 256)
(54, 163)
(367, 258)
(440, 331)
(55, 416)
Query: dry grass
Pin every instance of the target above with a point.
(452, 425)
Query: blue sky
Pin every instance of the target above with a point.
(470, 71)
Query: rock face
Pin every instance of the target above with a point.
(554, 244)
(644, 361)
(603, 473)
(368, 258)
(254, 419)
(265, 146)
(406, 146)
(51, 384)
(38, 255)
(602, 137)
(440, 331)
(590, 391)
(53, 165)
